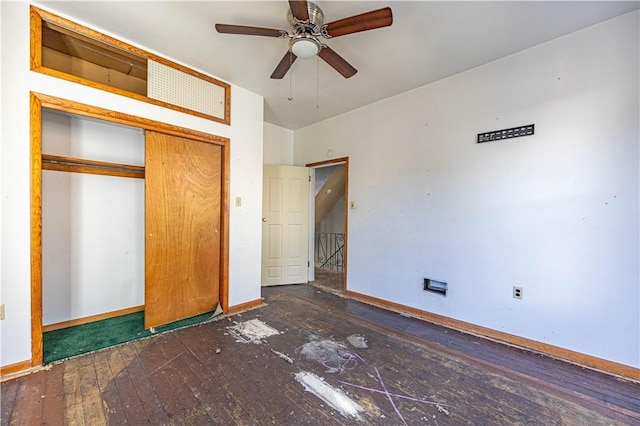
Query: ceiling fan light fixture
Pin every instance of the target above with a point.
(305, 47)
(307, 26)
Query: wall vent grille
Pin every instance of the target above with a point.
(514, 132)
(184, 90)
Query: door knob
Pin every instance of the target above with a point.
(264, 219)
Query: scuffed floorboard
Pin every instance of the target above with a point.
(324, 350)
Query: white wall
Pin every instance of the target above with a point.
(278, 145)
(556, 213)
(245, 233)
(92, 226)
(245, 132)
(334, 220)
(2, 95)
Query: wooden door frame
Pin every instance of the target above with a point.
(326, 163)
(39, 101)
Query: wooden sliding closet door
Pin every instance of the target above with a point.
(182, 215)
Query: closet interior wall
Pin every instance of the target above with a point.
(92, 225)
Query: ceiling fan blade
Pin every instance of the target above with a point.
(363, 22)
(337, 62)
(299, 9)
(284, 65)
(244, 30)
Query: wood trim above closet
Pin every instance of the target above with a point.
(72, 107)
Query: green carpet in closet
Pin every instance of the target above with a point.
(80, 339)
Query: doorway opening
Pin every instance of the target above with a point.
(328, 249)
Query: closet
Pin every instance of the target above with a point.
(128, 214)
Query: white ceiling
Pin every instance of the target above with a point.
(428, 41)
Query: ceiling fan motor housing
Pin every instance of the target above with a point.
(316, 19)
(304, 43)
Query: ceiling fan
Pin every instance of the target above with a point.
(306, 20)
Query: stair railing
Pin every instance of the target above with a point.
(329, 251)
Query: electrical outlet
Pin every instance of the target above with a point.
(517, 292)
(2, 311)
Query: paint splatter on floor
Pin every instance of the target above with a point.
(336, 358)
(331, 396)
(252, 331)
(332, 355)
(358, 341)
(283, 356)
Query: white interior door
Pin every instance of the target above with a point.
(285, 225)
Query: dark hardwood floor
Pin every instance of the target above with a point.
(329, 280)
(317, 371)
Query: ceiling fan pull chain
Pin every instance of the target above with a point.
(317, 80)
(290, 98)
